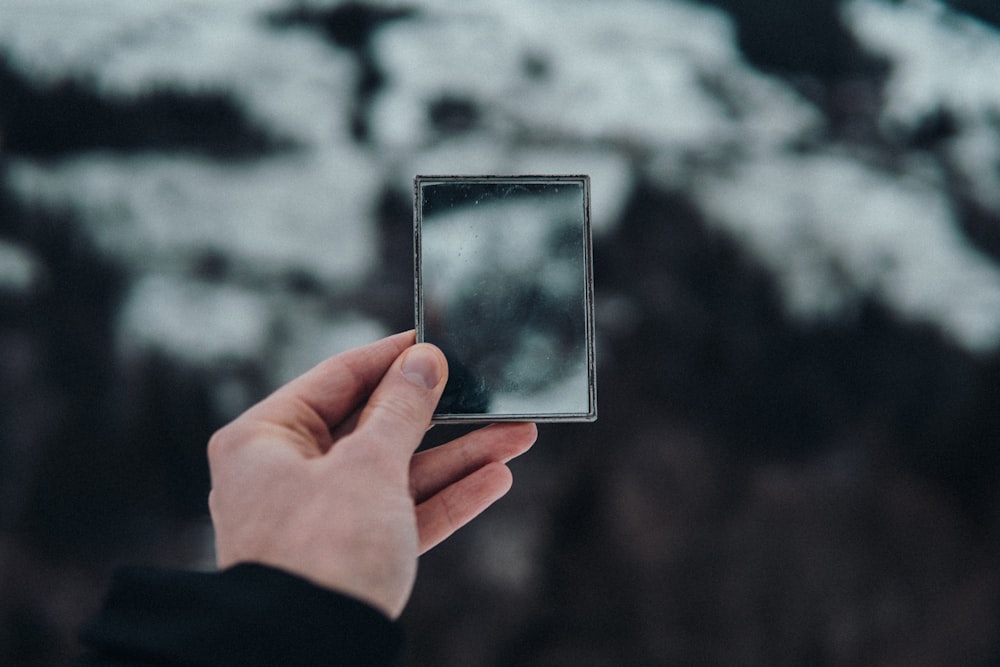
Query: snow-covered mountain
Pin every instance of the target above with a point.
(796, 220)
(643, 89)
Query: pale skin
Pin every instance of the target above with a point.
(321, 479)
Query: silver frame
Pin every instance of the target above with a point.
(463, 418)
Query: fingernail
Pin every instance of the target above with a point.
(422, 367)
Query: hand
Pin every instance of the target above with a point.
(321, 479)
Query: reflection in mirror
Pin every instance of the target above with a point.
(504, 287)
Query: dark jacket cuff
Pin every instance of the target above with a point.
(246, 615)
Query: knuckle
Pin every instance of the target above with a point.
(222, 443)
(400, 408)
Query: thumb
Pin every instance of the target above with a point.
(399, 411)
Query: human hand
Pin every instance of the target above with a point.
(320, 478)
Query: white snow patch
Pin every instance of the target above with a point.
(611, 89)
(976, 153)
(475, 154)
(832, 228)
(289, 81)
(20, 270)
(196, 322)
(939, 57)
(568, 395)
(626, 72)
(309, 335)
(611, 177)
(307, 212)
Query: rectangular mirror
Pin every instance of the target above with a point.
(504, 286)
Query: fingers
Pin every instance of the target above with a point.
(324, 396)
(454, 506)
(435, 469)
(454, 483)
(399, 411)
(338, 385)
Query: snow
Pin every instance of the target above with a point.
(20, 270)
(567, 395)
(940, 58)
(509, 237)
(652, 89)
(301, 212)
(833, 229)
(196, 322)
(218, 325)
(975, 151)
(630, 72)
(308, 336)
(941, 61)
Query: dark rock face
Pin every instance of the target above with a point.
(56, 120)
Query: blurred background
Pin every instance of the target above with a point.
(796, 213)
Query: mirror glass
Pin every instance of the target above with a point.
(504, 286)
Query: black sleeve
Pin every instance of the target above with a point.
(247, 615)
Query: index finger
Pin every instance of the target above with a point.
(334, 388)
(398, 413)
